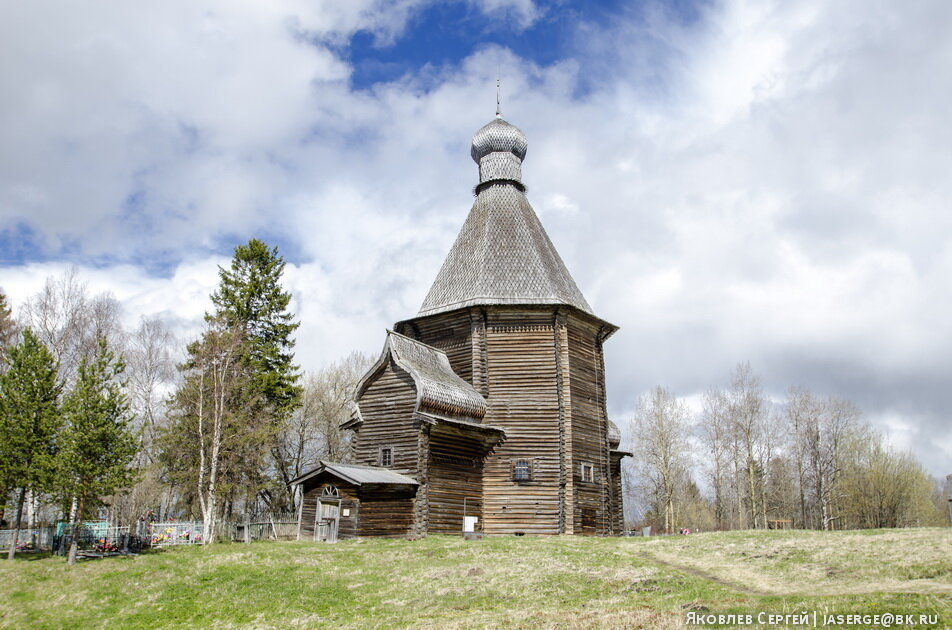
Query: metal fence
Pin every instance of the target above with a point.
(95, 536)
(176, 533)
(29, 539)
(101, 537)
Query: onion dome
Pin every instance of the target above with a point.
(614, 435)
(499, 149)
(502, 255)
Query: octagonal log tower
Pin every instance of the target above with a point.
(514, 324)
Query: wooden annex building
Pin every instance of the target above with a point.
(490, 403)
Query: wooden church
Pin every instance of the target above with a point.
(490, 402)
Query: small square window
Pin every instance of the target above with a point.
(521, 470)
(386, 456)
(587, 472)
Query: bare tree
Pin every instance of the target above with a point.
(70, 322)
(800, 409)
(883, 487)
(8, 327)
(716, 436)
(151, 368)
(151, 377)
(823, 433)
(313, 432)
(747, 414)
(660, 432)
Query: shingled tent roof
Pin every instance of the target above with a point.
(502, 255)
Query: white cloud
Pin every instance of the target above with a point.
(768, 183)
(523, 12)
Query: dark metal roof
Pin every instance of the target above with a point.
(359, 475)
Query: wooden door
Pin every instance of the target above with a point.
(328, 520)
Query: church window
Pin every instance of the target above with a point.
(587, 472)
(386, 456)
(522, 470)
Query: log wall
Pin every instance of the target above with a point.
(451, 333)
(385, 512)
(618, 513)
(386, 407)
(541, 371)
(347, 526)
(522, 383)
(455, 477)
(589, 429)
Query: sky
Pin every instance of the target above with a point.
(727, 181)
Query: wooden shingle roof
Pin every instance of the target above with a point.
(502, 254)
(440, 391)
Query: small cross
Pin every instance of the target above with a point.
(498, 108)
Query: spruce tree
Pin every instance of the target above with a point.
(98, 443)
(250, 298)
(8, 327)
(29, 422)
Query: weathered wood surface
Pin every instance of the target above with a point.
(541, 370)
(387, 410)
(589, 435)
(385, 512)
(455, 479)
(617, 513)
(312, 494)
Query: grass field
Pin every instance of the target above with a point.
(445, 582)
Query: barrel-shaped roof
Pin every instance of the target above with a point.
(440, 391)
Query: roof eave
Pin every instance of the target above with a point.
(609, 328)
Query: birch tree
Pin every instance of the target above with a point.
(151, 372)
(151, 376)
(715, 433)
(214, 445)
(747, 415)
(313, 432)
(660, 430)
(70, 322)
(801, 411)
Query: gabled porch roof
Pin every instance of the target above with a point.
(358, 475)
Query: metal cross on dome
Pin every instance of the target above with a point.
(498, 107)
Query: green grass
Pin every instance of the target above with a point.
(525, 582)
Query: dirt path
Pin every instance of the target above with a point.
(856, 589)
(704, 575)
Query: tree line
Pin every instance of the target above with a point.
(745, 462)
(98, 421)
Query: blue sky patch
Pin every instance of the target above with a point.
(448, 32)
